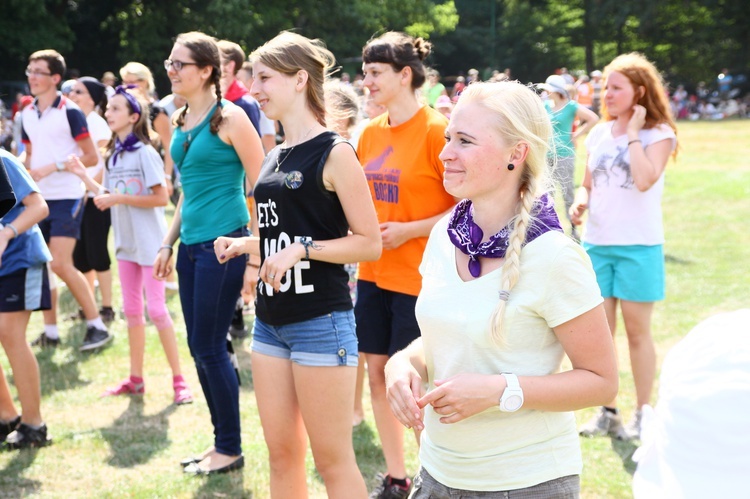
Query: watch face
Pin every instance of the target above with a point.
(513, 403)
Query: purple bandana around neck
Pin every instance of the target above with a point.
(467, 236)
(130, 144)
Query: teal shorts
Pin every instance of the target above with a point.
(632, 273)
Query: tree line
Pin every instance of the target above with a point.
(689, 40)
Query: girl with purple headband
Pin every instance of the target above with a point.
(134, 190)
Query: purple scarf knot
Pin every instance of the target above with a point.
(130, 144)
(467, 236)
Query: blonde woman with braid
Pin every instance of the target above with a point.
(215, 146)
(505, 296)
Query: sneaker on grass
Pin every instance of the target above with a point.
(633, 427)
(95, 338)
(389, 490)
(25, 437)
(45, 341)
(8, 427)
(604, 423)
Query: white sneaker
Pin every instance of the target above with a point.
(604, 423)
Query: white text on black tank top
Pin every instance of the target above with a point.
(267, 217)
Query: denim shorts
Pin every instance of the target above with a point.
(328, 340)
(64, 219)
(426, 487)
(632, 273)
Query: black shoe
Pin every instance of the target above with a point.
(194, 469)
(389, 490)
(237, 329)
(190, 460)
(107, 314)
(7, 427)
(25, 436)
(95, 338)
(45, 341)
(77, 316)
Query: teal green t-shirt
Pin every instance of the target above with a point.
(562, 128)
(212, 183)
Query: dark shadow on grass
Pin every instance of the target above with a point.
(368, 452)
(677, 260)
(625, 450)
(12, 484)
(135, 438)
(226, 485)
(57, 376)
(242, 349)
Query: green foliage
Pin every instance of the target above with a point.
(689, 40)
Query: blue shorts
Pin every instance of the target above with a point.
(326, 341)
(25, 289)
(386, 322)
(64, 219)
(631, 273)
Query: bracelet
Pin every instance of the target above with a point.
(307, 242)
(633, 141)
(167, 246)
(60, 165)
(13, 228)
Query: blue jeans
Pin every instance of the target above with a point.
(208, 293)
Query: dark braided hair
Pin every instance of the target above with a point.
(205, 52)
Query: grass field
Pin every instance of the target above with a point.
(128, 447)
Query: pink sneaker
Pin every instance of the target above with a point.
(182, 393)
(127, 387)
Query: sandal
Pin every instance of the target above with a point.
(182, 393)
(127, 387)
(8, 427)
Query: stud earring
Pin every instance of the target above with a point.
(511, 166)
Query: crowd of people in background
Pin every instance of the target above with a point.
(453, 283)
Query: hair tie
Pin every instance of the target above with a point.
(123, 90)
(503, 295)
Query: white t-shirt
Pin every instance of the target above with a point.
(267, 126)
(493, 450)
(99, 130)
(620, 214)
(138, 231)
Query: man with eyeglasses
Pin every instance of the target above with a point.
(54, 130)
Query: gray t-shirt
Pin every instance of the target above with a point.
(138, 231)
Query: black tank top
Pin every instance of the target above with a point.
(290, 204)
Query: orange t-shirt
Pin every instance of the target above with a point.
(585, 94)
(406, 183)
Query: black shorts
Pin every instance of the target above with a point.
(385, 319)
(91, 251)
(25, 289)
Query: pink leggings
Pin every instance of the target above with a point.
(134, 279)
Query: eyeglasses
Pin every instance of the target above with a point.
(177, 65)
(36, 73)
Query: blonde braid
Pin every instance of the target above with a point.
(511, 270)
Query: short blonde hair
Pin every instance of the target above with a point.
(141, 72)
